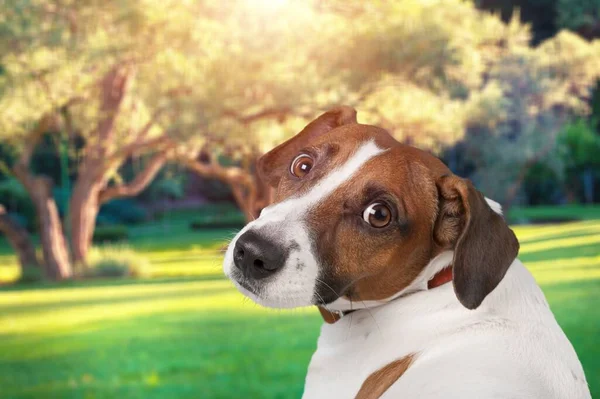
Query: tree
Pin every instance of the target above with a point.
(212, 85)
(56, 259)
(19, 239)
(579, 146)
(178, 74)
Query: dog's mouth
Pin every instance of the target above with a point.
(241, 281)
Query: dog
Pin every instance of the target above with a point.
(414, 271)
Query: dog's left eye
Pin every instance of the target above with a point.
(377, 215)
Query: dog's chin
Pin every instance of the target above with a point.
(270, 296)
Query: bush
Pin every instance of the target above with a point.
(171, 187)
(216, 224)
(222, 215)
(579, 146)
(123, 211)
(116, 261)
(112, 233)
(542, 185)
(31, 275)
(16, 200)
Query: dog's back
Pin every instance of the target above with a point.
(509, 347)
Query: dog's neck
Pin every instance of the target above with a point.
(435, 274)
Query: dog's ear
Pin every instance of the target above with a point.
(273, 164)
(484, 246)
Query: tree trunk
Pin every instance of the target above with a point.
(84, 208)
(57, 265)
(19, 239)
(56, 255)
(91, 191)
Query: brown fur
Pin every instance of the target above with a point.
(433, 211)
(485, 247)
(380, 381)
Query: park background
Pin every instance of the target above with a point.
(128, 136)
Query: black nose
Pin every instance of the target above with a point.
(256, 256)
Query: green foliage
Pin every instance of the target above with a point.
(116, 261)
(542, 185)
(216, 216)
(125, 211)
(31, 275)
(578, 14)
(112, 233)
(579, 146)
(236, 221)
(15, 199)
(197, 71)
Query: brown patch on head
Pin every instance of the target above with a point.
(380, 381)
(432, 211)
(363, 262)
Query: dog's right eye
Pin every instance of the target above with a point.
(301, 165)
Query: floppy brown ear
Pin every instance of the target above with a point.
(273, 164)
(484, 246)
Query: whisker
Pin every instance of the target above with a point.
(328, 286)
(373, 317)
(322, 307)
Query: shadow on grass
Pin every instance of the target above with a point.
(182, 293)
(183, 354)
(552, 254)
(218, 353)
(109, 282)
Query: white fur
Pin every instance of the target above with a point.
(496, 207)
(292, 286)
(509, 347)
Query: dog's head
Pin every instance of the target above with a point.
(359, 216)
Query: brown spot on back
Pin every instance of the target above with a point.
(379, 382)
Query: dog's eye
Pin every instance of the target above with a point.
(301, 165)
(377, 215)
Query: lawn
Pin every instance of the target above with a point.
(186, 333)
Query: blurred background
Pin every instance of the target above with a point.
(128, 135)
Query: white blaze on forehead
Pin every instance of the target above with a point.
(327, 185)
(294, 285)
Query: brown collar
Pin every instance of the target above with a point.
(442, 277)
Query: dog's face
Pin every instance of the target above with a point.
(358, 215)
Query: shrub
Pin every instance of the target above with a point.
(218, 216)
(542, 185)
(216, 224)
(171, 187)
(124, 211)
(16, 200)
(112, 233)
(116, 261)
(31, 275)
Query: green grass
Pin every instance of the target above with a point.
(186, 333)
(581, 212)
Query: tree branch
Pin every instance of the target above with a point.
(267, 113)
(213, 169)
(113, 87)
(139, 183)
